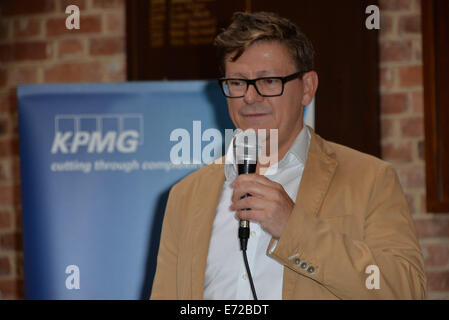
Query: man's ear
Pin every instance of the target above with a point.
(310, 85)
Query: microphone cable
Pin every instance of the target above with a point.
(244, 235)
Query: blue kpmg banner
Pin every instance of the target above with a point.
(96, 172)
(97, 163)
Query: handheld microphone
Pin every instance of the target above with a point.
(245, 145)
(246, 152)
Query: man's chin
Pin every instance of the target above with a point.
(258, 128)
(263, 132)
(256, 125)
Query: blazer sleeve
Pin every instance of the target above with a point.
(164, 283)
(345, 265)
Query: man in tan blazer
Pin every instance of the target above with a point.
(344, 231)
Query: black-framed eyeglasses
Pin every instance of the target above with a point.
(265, 86)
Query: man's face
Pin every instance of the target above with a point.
(285, 112)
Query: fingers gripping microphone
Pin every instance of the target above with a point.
(246, 151)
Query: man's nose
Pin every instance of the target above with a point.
(251, 95)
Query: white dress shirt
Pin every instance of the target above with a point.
(226, 276)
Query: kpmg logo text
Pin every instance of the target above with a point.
(97, 133)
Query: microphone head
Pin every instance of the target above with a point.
(246, 151)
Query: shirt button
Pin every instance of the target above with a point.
(304, 265)
(311, 270)
(297, 261)
(245, 277)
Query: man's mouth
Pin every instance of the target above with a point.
(254, 115)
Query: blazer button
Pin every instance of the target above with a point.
(304, 265)
(297, 261)
(311, 270)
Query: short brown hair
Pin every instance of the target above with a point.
(248, 28)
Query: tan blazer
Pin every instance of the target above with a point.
(350, 213)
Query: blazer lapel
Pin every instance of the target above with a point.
(206, 203)
(317, 176)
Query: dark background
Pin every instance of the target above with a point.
(347, 101)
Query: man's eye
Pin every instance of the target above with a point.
(269, 81)
(236, 83)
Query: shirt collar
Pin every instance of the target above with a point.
(298, 152)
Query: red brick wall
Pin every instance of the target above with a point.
(402, 126)
(35, 47)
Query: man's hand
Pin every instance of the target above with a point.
(269, 203)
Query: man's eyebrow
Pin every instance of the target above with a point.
(264, 73)
(237, 75)
(261, 73)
